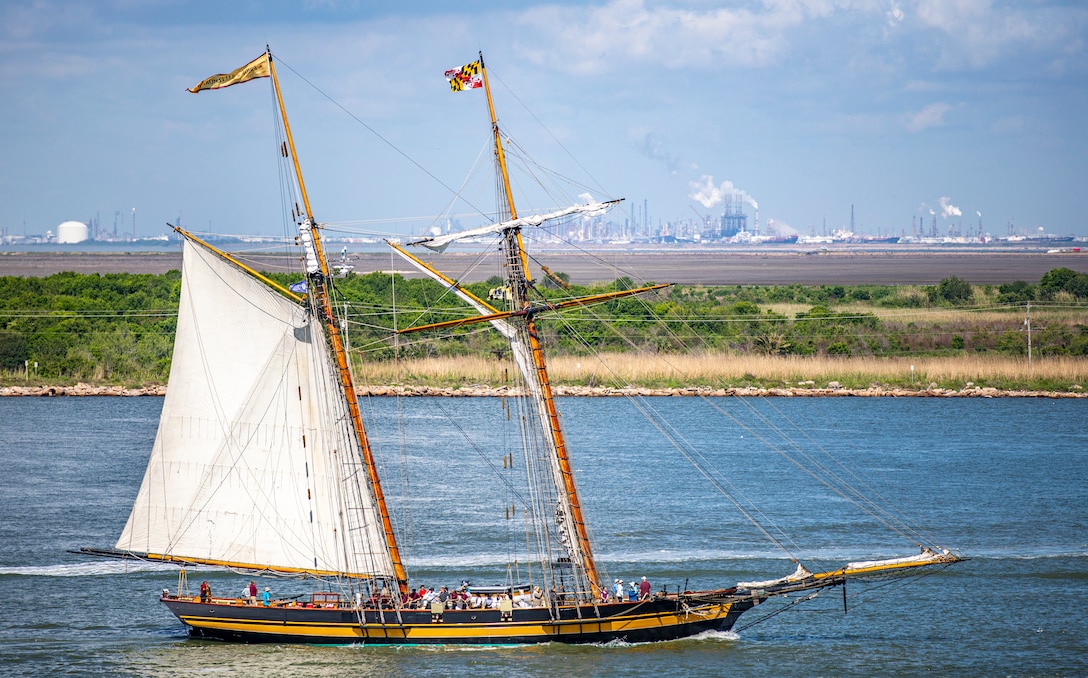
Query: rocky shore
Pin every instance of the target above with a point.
(482, 390)
(81, 390)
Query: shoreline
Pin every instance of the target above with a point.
(787, 265)
(483, 391)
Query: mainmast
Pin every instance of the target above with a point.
(317, 272)
(518, 325)
(517, 273)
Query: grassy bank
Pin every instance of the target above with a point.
(723, 370)
(714, 370)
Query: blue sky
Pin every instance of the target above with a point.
(901, 108)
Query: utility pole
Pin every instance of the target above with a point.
(1027, 321)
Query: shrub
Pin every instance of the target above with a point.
(952, 290)
(1016, 292)
(838, 348)
(1064, 280)
(13, 350)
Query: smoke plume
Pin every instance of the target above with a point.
(948, 209)
(709, 195)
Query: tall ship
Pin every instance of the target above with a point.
(262, 462)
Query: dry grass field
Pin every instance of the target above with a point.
(723, 370)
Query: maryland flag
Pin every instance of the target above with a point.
(465, 77)
(258, 68)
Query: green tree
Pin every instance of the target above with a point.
(13, 350)
(1064, 280)
(952, 290)
(1016, 292)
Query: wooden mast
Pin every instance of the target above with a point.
(500, 158)
(319, 280)
(518, 267)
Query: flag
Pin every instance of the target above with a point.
(299, 287)
(465, 77)
(258, 68)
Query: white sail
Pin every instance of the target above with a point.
(255, 463)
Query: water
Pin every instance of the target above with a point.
(1003, 481)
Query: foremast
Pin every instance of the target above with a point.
(317, 273)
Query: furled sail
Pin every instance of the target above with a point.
(439, 243)
(255, 463)
(925, 557)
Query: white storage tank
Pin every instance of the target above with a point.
(71, 232)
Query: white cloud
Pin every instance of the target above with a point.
(930, 116)
(977, 34)
(599, 38)
(957, 35)
(895, 15)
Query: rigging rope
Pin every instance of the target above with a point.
(814, 468)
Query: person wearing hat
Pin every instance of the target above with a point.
(644, 589)
(618, 590)
(267, 596)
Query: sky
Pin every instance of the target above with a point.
(966, 111)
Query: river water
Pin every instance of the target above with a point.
(1002, 481)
